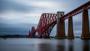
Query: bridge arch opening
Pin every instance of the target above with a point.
(53, 32)
(77, 25)
(89, 19)
(66, 27)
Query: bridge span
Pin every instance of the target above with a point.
(48, 21)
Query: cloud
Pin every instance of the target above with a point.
(9, 5)
(47, 4)
(24, 12)
(11, 29)
(44, 4)
(15, 17)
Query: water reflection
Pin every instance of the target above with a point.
(44, 45)
(66, 45)
(70, 45)
(60, 45)
(86, 45)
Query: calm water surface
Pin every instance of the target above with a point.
(26, 44)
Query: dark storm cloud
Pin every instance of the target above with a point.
(11, 29)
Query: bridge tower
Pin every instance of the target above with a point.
(85, 25)
(70, 28)
(32, 33)
(60, 25)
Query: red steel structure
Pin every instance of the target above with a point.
(46, 24)
(48, 20)
(32, 33)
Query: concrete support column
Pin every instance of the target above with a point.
(70, 28)
(60, 25)
(85, 25)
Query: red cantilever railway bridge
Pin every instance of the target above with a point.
(48, 21)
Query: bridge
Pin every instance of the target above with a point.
(49, 20)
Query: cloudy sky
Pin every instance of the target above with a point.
(18, 16)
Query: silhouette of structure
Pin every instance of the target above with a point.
(48, 21)
(32, 33)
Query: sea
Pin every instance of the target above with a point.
(36, 44)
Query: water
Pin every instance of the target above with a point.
(27, 44)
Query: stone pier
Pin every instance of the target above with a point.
(70, 28)
(85, 25)
(60, 26)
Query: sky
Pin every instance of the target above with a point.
(18, 16)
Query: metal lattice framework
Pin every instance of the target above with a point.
(45, 24)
